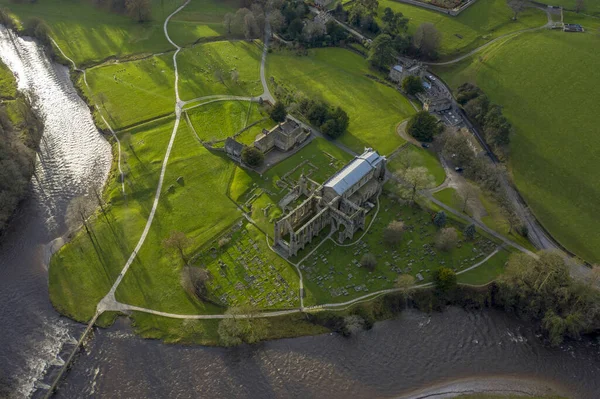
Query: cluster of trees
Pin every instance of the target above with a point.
(252, 156)
(496, 128)
(424, 127)
(243, 326)
(412, 85)
(332, 121)
(19, 140)
(456, 147)
(542, 290)
(246, 22)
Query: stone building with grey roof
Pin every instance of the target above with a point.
(342, 203)
(283, 137)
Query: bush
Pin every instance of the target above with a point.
(412, 85)
(470, 232)
(446, 239)
(423, 126)
(368, 261)
(392, 234)
(278, 113)
(440, 219)
(444, 280)
(252, 156)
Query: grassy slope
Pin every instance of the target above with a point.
(8, 84)
(88, 34)
(201, 20)
(217, 121)
(591, 6)
(483, 21)
(338, 76)
(197, 66)
(554, 108)
(132, 92)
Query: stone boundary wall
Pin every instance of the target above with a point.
(453, 12)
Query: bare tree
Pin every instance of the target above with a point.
(446, 239)
(276, 20)
(427, 39)
(243, 324)
(579, 5)
(466, 195)
(392, 234)
(516, 6)
(408, 159)
(251, 29)
(177, 242)
(418, 179)
(227, 22)
(140, 10)
(406, 283)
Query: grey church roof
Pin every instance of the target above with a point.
(351, 174)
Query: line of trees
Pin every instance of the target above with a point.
(330, 120)
(20, 134)
(496, 128)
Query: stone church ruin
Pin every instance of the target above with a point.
(342, 202)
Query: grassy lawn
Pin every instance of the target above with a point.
(426, 158)
(133, 92)
(219, 120)
(477, 25)
(90, 34)
(554, 109)
(201, 20)
(487, 272)
(340, 77)
(208, 69)
(591, 7)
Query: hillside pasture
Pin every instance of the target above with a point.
(554, 108)
(477, 25)
(341, 78)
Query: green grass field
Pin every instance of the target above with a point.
(8, 84)
(554, 109)
(477, 25)
(132, 92)
(89, 34)
(201, 20)
(219, 120)
(340, 77)
(487, 272)
(208, 69)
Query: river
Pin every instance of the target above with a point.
(415, 355)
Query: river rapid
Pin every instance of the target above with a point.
(415, 356)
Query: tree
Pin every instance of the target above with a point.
(440, 219)
(251, 28)
(579, 5)
(368, 261)
(193, 280)
(408, 159)
(276, 20)
(294, 29)
(467, 193)
(6, 19)
(417, 179)
(313, 31)
(382, 52)
(392, 234)
(252, 156)
(238, 24)
(243, 325)
(444, 280)
(177, 242)
(516, 6)
(427, 39)
(406, 283)
(331, 128)
(227, 21)
(423, 126)
(457, 148)
(140, 10)
(412, 85)
(470, 231)
(446, 239)
(393, 23)
(278, 113)
(317, 113)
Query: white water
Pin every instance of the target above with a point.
(74, 157)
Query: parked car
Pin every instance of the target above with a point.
(425, 145)
(458, 169)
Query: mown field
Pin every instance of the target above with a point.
(90, 34)
(554, 108)
(341, 78)
(477, 25)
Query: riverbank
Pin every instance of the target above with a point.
(492, 387)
